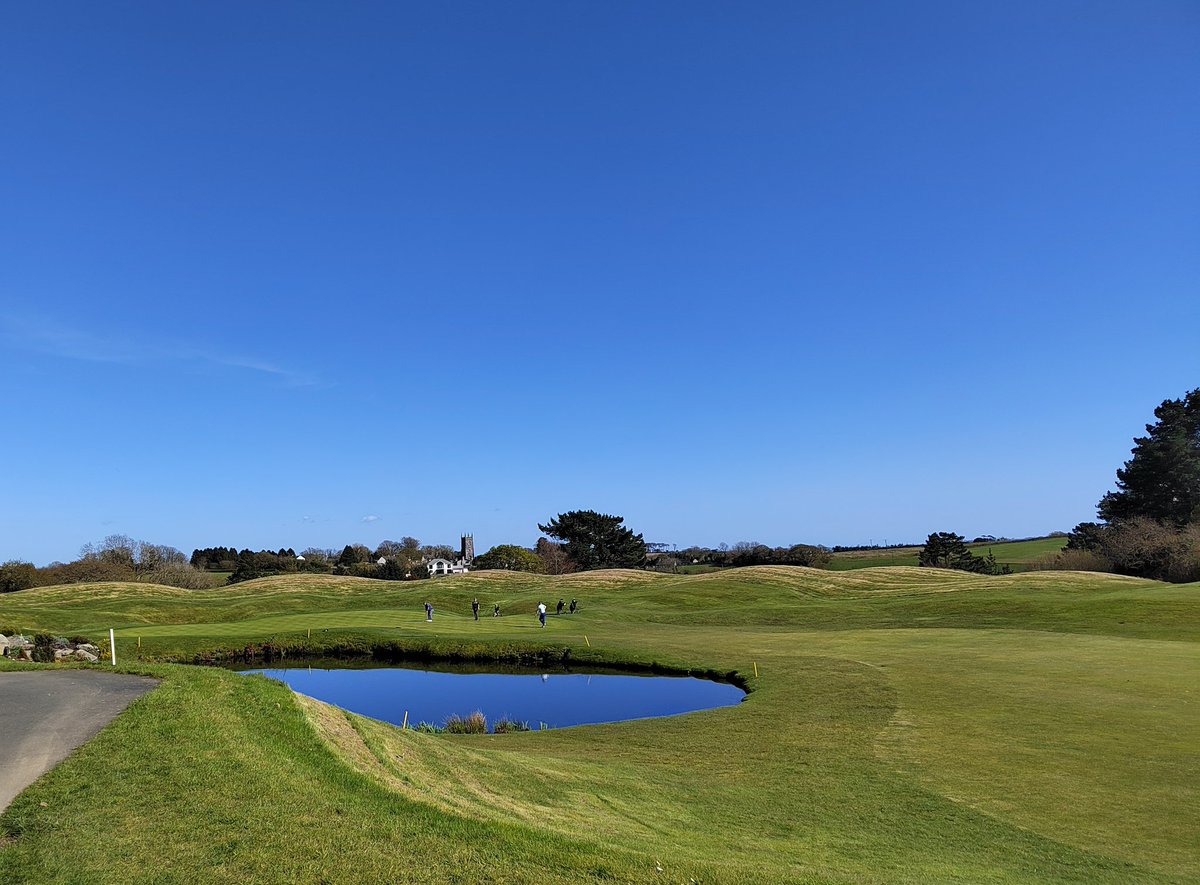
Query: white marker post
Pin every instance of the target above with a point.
(112, 644)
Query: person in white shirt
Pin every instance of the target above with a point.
(542, 613)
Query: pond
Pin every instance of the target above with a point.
(551, 699)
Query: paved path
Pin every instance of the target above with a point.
(48, 714)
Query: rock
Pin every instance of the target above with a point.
(89, 648)
(3, 645)
(25, 654)
(16, 643)
(60, 653)
(82, 655)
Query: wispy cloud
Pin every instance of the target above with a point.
(371, 518)
(47, 336)
(52, 338)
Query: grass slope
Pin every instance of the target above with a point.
(906, 725)
(1015, 554)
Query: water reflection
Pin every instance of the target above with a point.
(549, 699)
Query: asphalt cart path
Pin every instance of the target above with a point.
(47, 714)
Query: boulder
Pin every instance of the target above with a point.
(81, 655)
(60, 653)
(3, 645)
(89, 648)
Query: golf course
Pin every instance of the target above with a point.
(902, 725)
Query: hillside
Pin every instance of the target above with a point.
(903, 724)
(1015, 554)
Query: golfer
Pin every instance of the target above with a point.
(542, 613)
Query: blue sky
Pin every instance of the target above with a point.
(293, 274)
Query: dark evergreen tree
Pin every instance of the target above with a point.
(948, 550)
(353, 554)
(596, 540)
(1162, 479)
(1088, 536)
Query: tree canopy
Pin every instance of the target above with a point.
(596, 540)
(1162, 479)
(510, 557)
(17, 575)
(949, 550)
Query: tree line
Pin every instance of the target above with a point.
(116, 558)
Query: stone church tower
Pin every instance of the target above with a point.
(468, 549)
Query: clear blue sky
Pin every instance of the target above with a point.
(293, 274)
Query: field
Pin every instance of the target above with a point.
(1016, 554)
(904, 725)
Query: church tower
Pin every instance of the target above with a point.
(468, 549)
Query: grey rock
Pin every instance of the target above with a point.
(82, 655)
(88, 647)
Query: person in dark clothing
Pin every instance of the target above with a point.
(574, 605)
(561, 604)
(428, 610)
(475, 608)
(496, 611)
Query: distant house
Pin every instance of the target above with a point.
(458, 566)
(446, 567)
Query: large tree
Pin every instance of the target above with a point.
(1162, 479)
(554, 559)
(596, 540)
(510, 557)
(948, 550)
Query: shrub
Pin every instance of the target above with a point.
(43, 648)
(1150, 549)
(178, 574)
(17, 575)
(1072, 560)
(475, 723)
(506, 725)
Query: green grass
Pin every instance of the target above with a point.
(905, 726)
(1016, 554)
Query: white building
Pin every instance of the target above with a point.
(446, 567)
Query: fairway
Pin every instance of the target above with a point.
(905, 725)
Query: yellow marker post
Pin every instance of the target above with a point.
(404, 727)
(310, 632)
(585, 639)
(756, 669)
(139, 642)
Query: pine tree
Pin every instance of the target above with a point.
(1162, 479)
(596, 540)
